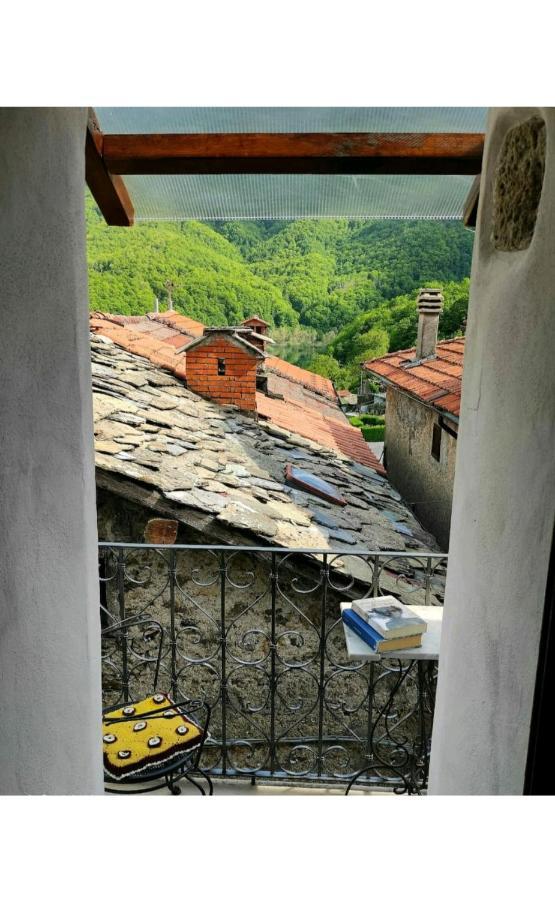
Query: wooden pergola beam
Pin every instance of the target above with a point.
(470, 212)
(323, 154)
(108, 190)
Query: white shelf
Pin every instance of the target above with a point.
(433, 615)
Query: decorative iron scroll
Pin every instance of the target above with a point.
(257, 633)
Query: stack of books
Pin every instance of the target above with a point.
(385, 624)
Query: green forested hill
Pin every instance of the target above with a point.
(332, 270)
(391, 325)
(129, 267)
(353, 283)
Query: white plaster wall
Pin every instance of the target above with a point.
(49, 627)
(503, 507)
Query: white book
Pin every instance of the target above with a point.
(389, 617)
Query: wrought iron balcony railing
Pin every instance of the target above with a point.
(257, 633)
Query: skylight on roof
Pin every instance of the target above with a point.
(306, 481)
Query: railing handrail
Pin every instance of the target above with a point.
(265, 647)
(252, 548)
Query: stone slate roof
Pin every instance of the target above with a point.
(223, 474)
(436, 382)
(326, 430)
(304, 411)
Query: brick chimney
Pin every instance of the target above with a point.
(257, 324)
(222, 366)
(430, 305)
(255, 331)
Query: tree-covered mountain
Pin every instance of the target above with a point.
(332, 270)
(387, 327)
(353, 283)
(128, 269)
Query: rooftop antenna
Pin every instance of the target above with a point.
(169, 287)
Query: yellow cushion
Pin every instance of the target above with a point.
(133, 745)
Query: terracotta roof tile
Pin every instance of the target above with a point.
(178, 340)
(435, 381)
(295, 392)
(318, 428)
(316, 383)
(179, 322)
(133, 336)
(451, 403)
(153, 328)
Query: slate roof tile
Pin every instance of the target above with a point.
(338, 436)
(309, 408)
(219, 469)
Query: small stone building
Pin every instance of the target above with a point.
(423, 388)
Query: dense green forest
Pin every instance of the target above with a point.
(346, 289)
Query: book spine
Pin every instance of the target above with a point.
(360, 628)
(402, 632)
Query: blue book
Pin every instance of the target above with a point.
(374, 640)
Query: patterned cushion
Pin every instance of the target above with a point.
(133, 745)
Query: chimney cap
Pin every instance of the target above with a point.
(227, 329)
(430, 300)
(233, 335)
(255, 318)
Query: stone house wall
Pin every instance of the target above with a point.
(425, 483)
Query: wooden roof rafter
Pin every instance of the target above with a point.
(110, 157)
(108, 190)
(470, 212)
(294, 153)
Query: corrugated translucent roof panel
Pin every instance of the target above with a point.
(178, 197)
(284, 119)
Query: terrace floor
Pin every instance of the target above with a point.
(235, 788)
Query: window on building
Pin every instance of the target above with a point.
(436, 441)
(221, 366)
